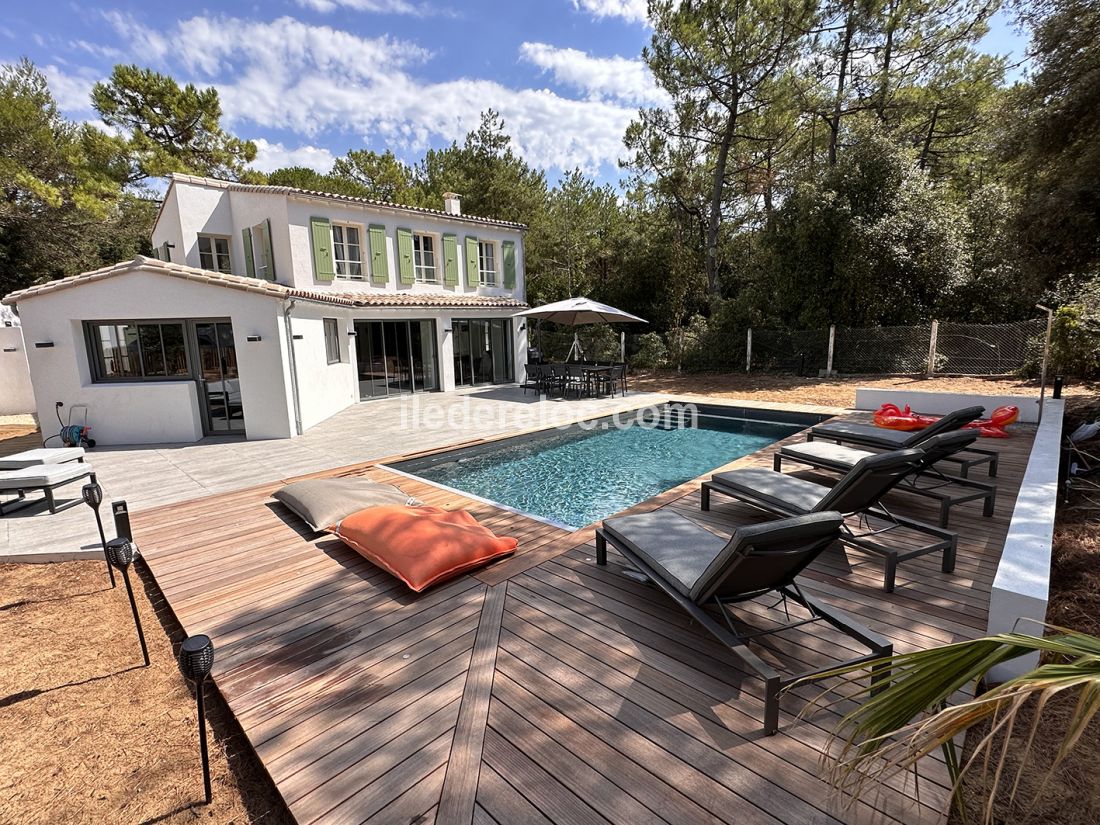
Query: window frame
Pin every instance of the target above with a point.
(481, 270)
(333, 341)
(214, 253)
(337, 261)
(417, 268)
(259, 251)
(98, 365)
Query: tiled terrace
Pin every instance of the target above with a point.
(541, 689)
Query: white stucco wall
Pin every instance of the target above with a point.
(16, 392)
(323, 388)
(941, 403)
(153, 412)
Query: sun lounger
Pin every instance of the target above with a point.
(699, 570)
(926, 481)
(858, 493)
(41, 455)
(43, 477)
(868, 435)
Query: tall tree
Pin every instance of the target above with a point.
(378, 175)
(302, 177)
(62, 207)
(170, 128)
(722, 63)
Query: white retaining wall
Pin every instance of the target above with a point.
(16, 392)
(941, 403)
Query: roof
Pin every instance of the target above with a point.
(236, 186)
(273, 290)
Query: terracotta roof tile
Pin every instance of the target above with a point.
(273, 290)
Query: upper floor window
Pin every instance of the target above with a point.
(424, 259)
(137, 351)
(261, 250)
(214, 253)
(487, 263)
(347, 251)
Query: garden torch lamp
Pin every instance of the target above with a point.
(195, 660)
(93, 497)
(120, 554)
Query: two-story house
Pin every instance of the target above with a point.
(268, 309)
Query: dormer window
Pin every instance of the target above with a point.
(214, 253)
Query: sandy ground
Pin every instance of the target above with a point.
(87, 735)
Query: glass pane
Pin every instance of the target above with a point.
(206, 260)
(461, 342)
(230, 377)
(355, 269)
(398, 362)
(152, 353)
(482, 352)
(353, 235)
(175, 351)
(423, 351)
(204, 245)
(114, 356)
(221, 246)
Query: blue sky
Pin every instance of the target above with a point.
(309, 79)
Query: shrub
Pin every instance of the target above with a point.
(652, 352)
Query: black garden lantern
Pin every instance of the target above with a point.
(196, 660)
(92, 494)
(120, 554)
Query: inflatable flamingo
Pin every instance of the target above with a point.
(891, 417)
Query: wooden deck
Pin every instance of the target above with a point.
(544, 688)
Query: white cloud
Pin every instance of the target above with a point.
(318, 80)
(73, 92)
(608, 77)
(146, 45)
(271, 156)
(375, 6)
(633, 11)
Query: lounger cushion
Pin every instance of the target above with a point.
(867, 432)
(834, 455)
(422, 546)
(323, 502)
(42, 475)
(779, 491)
(41, 455)
(675, 547)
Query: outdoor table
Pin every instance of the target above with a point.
(591, 374)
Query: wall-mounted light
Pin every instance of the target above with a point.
(447, 329)
(43, 344)
(297, 337)
(252, 339)
(351, 333)
(11, 349)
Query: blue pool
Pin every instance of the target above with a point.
(576, 476)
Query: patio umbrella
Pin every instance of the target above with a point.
(576, 311)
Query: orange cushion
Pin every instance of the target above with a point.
(422, 545)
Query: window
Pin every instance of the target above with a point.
(137, 351)
(332, 340)
(347, 251)
(214, 253)
(261, 248)
(424, 259)
(487, 263)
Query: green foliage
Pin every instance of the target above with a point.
(651, 352)
(1075, 332)
(379, 176)
(169, 128)
(302, 177)
(869, 241)
(63, 208)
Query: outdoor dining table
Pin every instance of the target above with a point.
(591, 378)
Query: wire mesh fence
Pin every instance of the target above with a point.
(936, 348)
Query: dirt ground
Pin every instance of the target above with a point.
(832, 392)
(87, 735)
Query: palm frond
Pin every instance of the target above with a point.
(894, 727)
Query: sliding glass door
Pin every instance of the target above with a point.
(395, 357)
(482, 351)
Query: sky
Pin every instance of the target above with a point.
(309, 79)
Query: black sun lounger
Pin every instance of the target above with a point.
(868, 435)
(859, 492)
(698, 569)
(926, 481)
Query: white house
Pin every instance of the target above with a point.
(269, 308)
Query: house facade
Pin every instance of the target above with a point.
(268, 309)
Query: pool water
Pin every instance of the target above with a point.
(576, 477)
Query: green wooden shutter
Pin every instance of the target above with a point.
(405, 256)
(269, 250)
(249, 260)
(473, 265)
(450, 260)
(320, 230)
(509, 252)
(379, 261)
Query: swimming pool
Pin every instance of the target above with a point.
(577, 476)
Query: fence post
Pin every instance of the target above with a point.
(748, 350)
(622, 346)
(932, 340)
(832, 345)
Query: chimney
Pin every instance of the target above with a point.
(452, 203)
